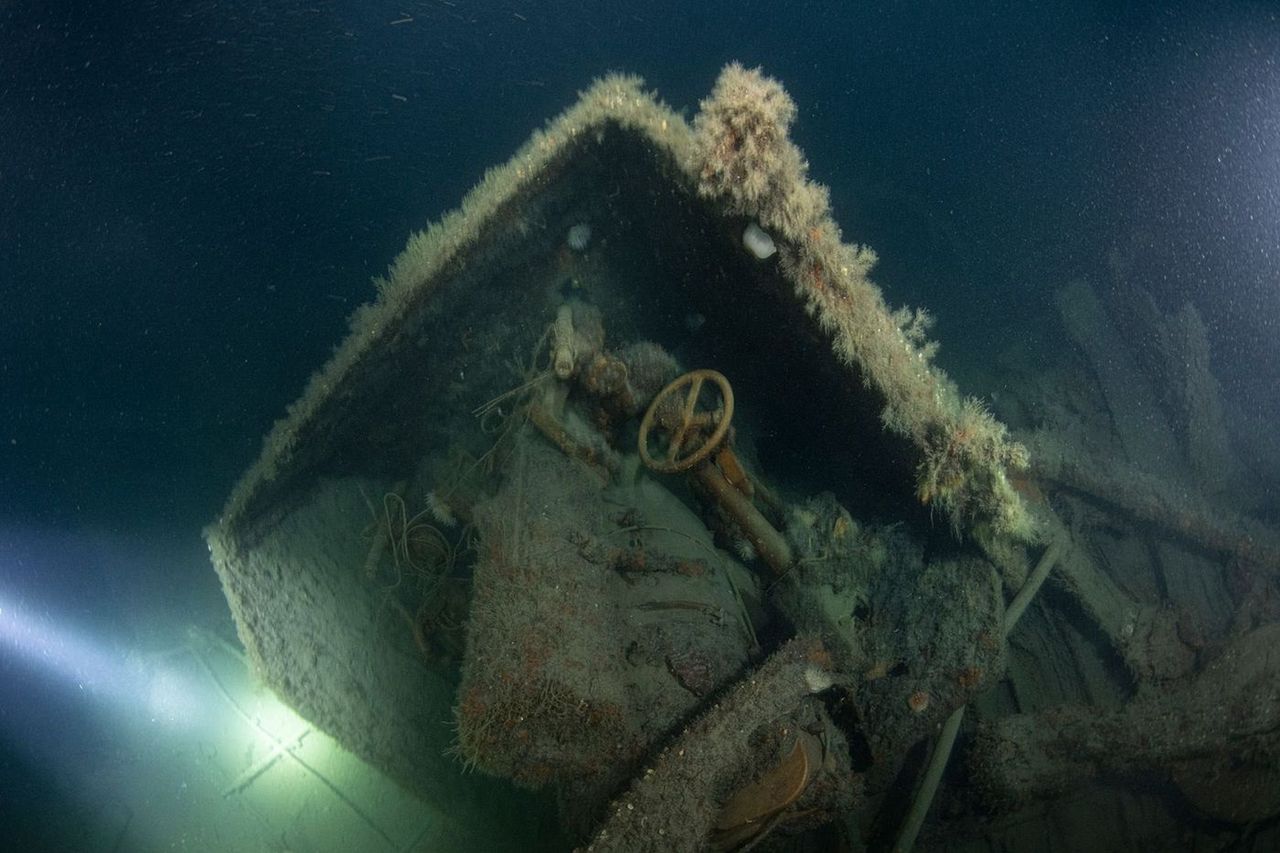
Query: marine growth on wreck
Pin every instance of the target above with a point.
(631, 516)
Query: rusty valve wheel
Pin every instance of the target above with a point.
(687, 426)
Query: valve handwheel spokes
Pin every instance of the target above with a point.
(693, 433)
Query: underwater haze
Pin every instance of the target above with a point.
(195, 197)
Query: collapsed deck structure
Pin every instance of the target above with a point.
(451, 555)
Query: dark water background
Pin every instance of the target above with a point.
(194, 195)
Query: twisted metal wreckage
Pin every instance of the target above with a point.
(626, 489)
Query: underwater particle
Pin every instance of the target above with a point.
(918, 702)
(694, 321)
(758, 242)
(579, 237)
